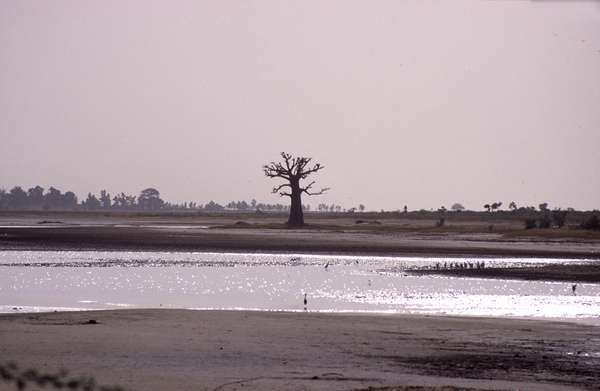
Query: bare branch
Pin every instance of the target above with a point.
(286, 158)
(277, 188)
(315, 168)
(308, 186)
(276, 170)
(302, 162)
(322, 191)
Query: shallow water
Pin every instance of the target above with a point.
(72, 280)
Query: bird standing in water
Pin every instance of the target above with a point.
(573, 287)
(305, 302)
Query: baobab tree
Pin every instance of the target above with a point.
(293, 170)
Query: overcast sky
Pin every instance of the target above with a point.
(418, 103)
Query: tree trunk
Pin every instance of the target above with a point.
(296, 215)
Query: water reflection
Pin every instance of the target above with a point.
(43, 280)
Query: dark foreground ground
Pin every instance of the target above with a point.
(219, 350)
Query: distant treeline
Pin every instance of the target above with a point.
(37, 198)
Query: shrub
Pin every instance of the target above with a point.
(559, 217)
(592, 223)
(545, 222)
(530, 224)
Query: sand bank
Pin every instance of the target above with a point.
(220, 350)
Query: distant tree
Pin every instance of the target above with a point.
(69, 200)
(512, 206)
(457, 207)
(91, 202)
(405, 209)
(545, 222)
(35, 196)
(530, 223)
(124, 201)
(53, 198)
(559, 217)
(593, 222)
(3, 199)
(496, 205)
(150, 199)
(488, 207)
(293, 170)
(361, 207)
(17, 198)
(213, 207)
(543, 207)
(105, 200)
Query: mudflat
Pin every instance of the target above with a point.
(226, 350)
(341, 236)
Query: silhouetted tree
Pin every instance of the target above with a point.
(105, 200)
(559, 217)
(124, 201)
(69, 200)
(361, 207)
(593, 222)
(488, 207)
(496, 205)
(543, 207)
(35, 196)
(53, 198)
(91, 202)
(150, 199)
(293, 170)
(17, 198)
(213, 207)
(3, 198)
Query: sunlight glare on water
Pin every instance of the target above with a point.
(72, 280)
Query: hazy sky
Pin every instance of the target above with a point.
(405, 102)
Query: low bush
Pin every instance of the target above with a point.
(592, 223)
(559, 217)
(530, 223)
(544, 222)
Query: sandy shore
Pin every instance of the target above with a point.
(219, 350)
